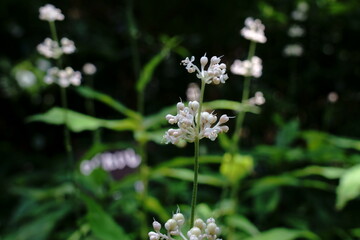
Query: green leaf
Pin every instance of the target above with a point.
(349, 187)
(108, 100)
(243, 224)
(188, 175)
(189, 161)
(231, 105)
(153, 205)
(235, 167)
(40, 226)
(155, 120)
(78, 122)
(148, 70)
(283, 234)
(346, 143)
(326, 172)
(102, 224)
(287, 134)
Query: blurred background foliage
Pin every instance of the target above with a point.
(299, 163)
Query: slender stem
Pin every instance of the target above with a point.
(143, 171)
(196, 156)
(245, 96)
(68, 146)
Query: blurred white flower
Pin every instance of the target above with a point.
(258, 99)
(43, 64)
(193, 92)
(110, 161)
(300, 13)
(25, 78)
(333, 97)
(185, 119)
(254, 30)
(50, 13)
(296, 31)
(49, 49)
(64, 78)
(67, 45)
(215, 73)
(293, 50)
(247, 68)
(89, 69)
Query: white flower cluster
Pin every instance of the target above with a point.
(258, 99)
(247, 68)
(300, 13)
(50, 13)
(254, 30)
(200, 230)
(110, 161)
(89, 69)
(51, 49)
(186, 121)
(64, 78)
(296, 31)
(215, 73)
(293, 50)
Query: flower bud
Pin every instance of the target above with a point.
(195, 231)
(179, 218)
(212, 229)
(204, 60)
(171, 225)
(223, 119)
(200, 224)
(156, 226)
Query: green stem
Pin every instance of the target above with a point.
(67, 139)
(245, 96)
(196, 156)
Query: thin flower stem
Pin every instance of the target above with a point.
(245, 96)
(196, 156)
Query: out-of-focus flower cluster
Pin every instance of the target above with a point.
(200, 231)
(63, 77)
(300, 13)
(89, 69)
(293, 50)
(50, 13)
(247, 68)
(51, 49)
(258, 99)
(215, 73)
(186, 121)
(254, 30)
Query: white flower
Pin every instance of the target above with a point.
(258, 99)
(293, 50)
(200, 230)
(300, 13)
(25, 78)
(296, 31)
(248, 68)
(67, 45)
(253, 30)
(215, 73)
(89, 69)
(186, 121)
(50, 13)
(51, 75)
(49, 49)
(64, 77)
(193, 92)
